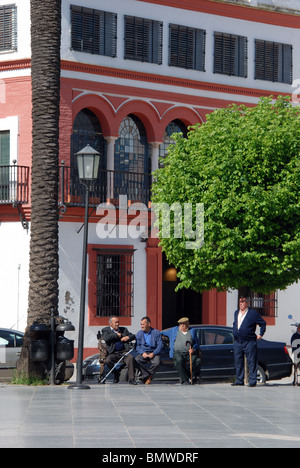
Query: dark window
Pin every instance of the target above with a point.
(273, 61)
(176, 126)
(186, 47)
(8, 27)
(143, 39)
(7, 339)
(115, 283)
(230, 54)
(94, 31)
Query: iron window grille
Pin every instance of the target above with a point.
(186, 47)
(94, 31)
(230, 54)
(143, 39)
(115, 283)
(265, 304)
(273, 61)
(8, 28)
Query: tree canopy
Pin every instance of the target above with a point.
(243, 165)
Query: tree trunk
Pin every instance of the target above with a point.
(45, 77)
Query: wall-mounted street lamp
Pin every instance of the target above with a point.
(88, 164)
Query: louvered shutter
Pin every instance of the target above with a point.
(143, 40)
(285, 64)
(230, 54)
(273, 61)
(94, 31)
(8, 27)
(4, 148)
(186, 47)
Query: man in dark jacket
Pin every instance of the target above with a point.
(245, 340)
(117, 341)
(148, 345)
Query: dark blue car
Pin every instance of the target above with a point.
(216, 344)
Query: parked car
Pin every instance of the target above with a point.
(11, 342)
(216, 344)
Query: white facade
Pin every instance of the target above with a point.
(209, 22)
(14, 275)
(70, 258)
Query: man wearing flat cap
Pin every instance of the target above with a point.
(184, 347)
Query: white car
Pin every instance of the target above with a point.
(11, 342)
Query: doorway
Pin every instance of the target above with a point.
(184, 303)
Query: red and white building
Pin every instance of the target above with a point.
(132, 73)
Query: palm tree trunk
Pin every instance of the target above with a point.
(45, 76)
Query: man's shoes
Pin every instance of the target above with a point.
(148, 380)
(185, 382)
(252, 385)
(116, 377)
(134, 382)
(236, 384)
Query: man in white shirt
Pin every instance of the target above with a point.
(245, 340)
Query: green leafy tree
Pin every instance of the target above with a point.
(243, 165)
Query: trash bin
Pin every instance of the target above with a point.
(64, 348)
(39, 350)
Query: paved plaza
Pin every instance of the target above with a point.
(154, 416)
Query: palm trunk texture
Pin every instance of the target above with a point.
(45, 77)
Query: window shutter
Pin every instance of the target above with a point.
(230, 54)
(8, 27)
(242, 58)
(186, 47)
(273, 61)
(94, 31)
(4, 148)
(259, 60)
(286, 64)
(108, 34)
(143, 39)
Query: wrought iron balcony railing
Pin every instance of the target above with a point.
(109, 186)
(14, 184)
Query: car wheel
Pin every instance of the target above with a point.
(261, 375)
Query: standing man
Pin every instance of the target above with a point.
(295, 343)
(117, 341)
(184, 345)
(148, 345)
(245, 341)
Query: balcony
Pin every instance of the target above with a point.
(14, 185)
(109, 186)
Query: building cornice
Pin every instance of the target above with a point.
(233, 10)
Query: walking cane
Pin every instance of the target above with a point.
(191, 365)
(103, 380)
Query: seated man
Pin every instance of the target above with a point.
(117, 341)
(148, 345)
(183, 344)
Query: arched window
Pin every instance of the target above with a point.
(176, 126)
(87, 131)
(131, 148)
(132, 163)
